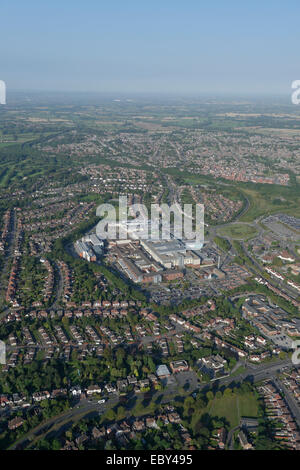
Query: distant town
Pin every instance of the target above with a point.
(143, 344)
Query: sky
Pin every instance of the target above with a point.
(165, 46)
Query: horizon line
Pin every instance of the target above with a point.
(149, 92)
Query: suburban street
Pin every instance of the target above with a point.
(89, 408)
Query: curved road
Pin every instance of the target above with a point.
(253, 373)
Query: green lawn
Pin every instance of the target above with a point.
(232, 408)
(238, 371)
(271, 199)
(263, 198)
(237, 231)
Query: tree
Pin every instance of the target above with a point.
(55, 444)
(121, 413)
(110, 415)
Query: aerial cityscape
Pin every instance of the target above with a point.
(149, 341)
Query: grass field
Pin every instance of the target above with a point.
(238, 371)
(263, 199)
(237, 231)
(232, 408)
(264, 202)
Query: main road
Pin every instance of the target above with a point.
(84, 408)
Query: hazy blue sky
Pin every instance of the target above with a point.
(149, 45)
